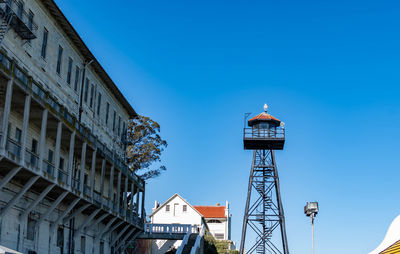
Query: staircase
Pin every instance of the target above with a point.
(4, 25)
(188, 247)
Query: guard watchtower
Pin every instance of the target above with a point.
(264, 211)
(266, 132)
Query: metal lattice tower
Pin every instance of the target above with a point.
(263, 211)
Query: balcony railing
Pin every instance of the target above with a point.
(13, 148)
(48, 167)
(259, 133)
(97, 197)
(75, 184)
(63, 176)
(86, 190)
(26, 82)
(31, 159)
(21, 21)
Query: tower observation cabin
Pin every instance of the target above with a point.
(264, 132)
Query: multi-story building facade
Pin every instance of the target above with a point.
(64, 183)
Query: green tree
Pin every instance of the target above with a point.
(145, 147)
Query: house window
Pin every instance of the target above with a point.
(44, 42)
(167, 208)
(83, 244)
(91, 95)
(59, 59)
(98, 104)
(85, 96)
(60, 237)
(184, 208)
(107, 111)
(77, 70)
(30, 234)
(69, 70)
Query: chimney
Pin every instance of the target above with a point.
(156, 205)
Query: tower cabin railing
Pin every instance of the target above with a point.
(12, 11)
(264, 138)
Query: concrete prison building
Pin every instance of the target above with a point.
(64, 183)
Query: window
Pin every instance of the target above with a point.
(30, 20)
(98, 103)
(30, 234)
(219, 236)
(50, 156)
(101, 247)
(44, 42)
(69, 70)
(184, 208)
(59, 59)
(34, 146)
(123, 131)
(91, 95)
(60, 237)
(61, 163)
(115, 115)
(167, 208)
(83, 244)
(77, 70)
(18, 135)
(119, 125)
(20, 9)
(85, 96)
(107, 111)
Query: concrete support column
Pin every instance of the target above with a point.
(42, 143)
(125, 197)
(58, 146)
(25, 123)
(71, 157)
(82, 172)
(119, 189)
(137, 201)
(142, 212)
(6, 114)
(111, 186)
(132, 192)
(92, 173)
(103, 169)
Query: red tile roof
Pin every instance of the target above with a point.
(264, 116)
(211, 211)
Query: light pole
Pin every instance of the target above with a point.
(311, 210)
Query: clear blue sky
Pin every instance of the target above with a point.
(328, 69)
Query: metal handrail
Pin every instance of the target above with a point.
(21, 14)
(63, 176)
(31, 158)
(48, 167)
(13, 147)
(259, 133)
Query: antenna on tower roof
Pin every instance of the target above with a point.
(265, 107)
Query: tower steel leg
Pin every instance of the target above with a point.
(264, 210)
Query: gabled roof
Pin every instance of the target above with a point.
(264, 117)
(166, 202)
(211, 211)
(73, 35)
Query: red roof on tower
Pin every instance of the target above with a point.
(264, 116)
(211, 211)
